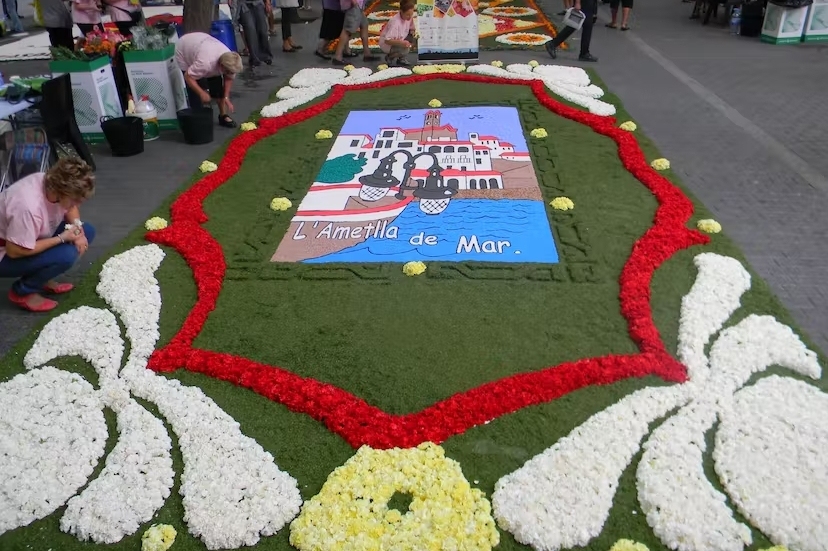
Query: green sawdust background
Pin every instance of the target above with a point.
(361, 331)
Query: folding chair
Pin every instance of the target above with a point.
(26, 151)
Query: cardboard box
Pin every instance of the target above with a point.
(816, 24)
(783, 25)
(155, 73)
(94, 94)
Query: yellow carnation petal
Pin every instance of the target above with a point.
(382, 67)
(533, 63)
(280, 203)
(628, 545)
(435, 103)
(155, 223)
(539, 133)
(660, 164)
(208, 166)
(414, 268)
(562, 203)
(247, 126)
(324, 135)
(349, 68)
(497, 63)
(708, 225)
(629, 126)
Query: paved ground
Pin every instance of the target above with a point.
(743, 122)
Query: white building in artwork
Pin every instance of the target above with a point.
(466, 164)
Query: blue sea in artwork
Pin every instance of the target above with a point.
(520, 222)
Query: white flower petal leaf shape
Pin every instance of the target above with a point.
(519, 68)
(91, 333)
(128, 285)
(682, 507)
(753, 345)
(232, 490)
(563, 73)
(136, 479)
(312, 77)
(770, 455)
(562, 497)
(52, 434)
(287, 92)
(715, 295)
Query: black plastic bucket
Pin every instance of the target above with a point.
(196, 124)
(125, 135)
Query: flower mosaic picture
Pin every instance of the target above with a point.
(453, 184)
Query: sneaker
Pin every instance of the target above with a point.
(551, 50)
(587, 57)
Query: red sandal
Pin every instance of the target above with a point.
(29, 302)
(55, 288)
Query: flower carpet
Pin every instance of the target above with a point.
(391, 316)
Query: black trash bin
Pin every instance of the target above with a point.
(196, 124)
(753, 17)
(125, 135)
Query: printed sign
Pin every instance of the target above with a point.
(425, 184)
(448, 30)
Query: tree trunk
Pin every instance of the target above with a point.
(198, 15)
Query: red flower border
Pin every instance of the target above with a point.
(351, 417)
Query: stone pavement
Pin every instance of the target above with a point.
(742, 122)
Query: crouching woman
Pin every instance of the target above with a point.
(41, 233)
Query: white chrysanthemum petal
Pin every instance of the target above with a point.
(135, 481)
(770, 456)
(682, 507)
(52, 434)
(715, 295)
(562, 497)
(91, 333)
(753, 345)
(312, 77)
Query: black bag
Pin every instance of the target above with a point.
(135, 16)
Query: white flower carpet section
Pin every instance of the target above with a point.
(233, 491)
(562, 497)
(52, 434)
(570, 83)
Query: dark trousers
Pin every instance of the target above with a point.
(289, 15)
(37, 270)
(254, 23)
(61, 36)
(590, 8)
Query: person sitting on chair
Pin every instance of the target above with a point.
(209, 69)
(35, 245)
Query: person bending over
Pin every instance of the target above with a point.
(590, 11)
(395, 35)
(41, 233)
(209, 69)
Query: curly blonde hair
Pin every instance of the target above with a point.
(231, 63)
(70, 178)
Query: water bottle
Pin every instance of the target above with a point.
(735, 20)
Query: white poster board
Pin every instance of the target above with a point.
(448, 30)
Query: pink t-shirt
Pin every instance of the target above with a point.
(26, 215)
(116, 14)
(395, 28)
(86, 12)
(197, 54)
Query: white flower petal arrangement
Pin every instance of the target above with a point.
(570, 83)
(233, 492)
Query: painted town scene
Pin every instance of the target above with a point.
(453, 184)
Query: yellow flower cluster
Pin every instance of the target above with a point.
(155, 223)
(562, 203)
(629, 126)
(351, 511)
(349, 68)
(247, 126)
(382, 67)
(414, 268)
(708, 225)
(497, 63)
(324, 135)
(435, 103)
(280, 203)
(539, 133)
(159, 537)
(208, 166)
(660, 164)
(776, 548)
(533, 64)
(444, 68)
(628, 545)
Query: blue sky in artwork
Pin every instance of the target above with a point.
(502, 122)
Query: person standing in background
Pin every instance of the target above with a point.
(87, 15)
(626, 8)
(566, 4)
(590, 10)
(252, 16)
(10, 9)
(58, 23)
(333, 19)
(289, 15)
(124, 14)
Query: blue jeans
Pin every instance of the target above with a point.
(37, 270)
(10, 9)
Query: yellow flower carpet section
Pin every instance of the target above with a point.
(351, 511)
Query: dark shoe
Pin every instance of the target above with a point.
(552, 50)
(370, 58)
(625, 28)
(339, 62)
(349, 55)
(226, 121)
(269, 62)
(587, 57)
(611, 26)
(402, 62)
(290, 50)
(562, 12)
(321, 55)
(296, 46)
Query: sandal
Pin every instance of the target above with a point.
(321, 55)
(32, 302)
(55, 288)
(625, 28)
(350, 55)
(290, 50)
(611, 26)
(226, 121)
(339, 62)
